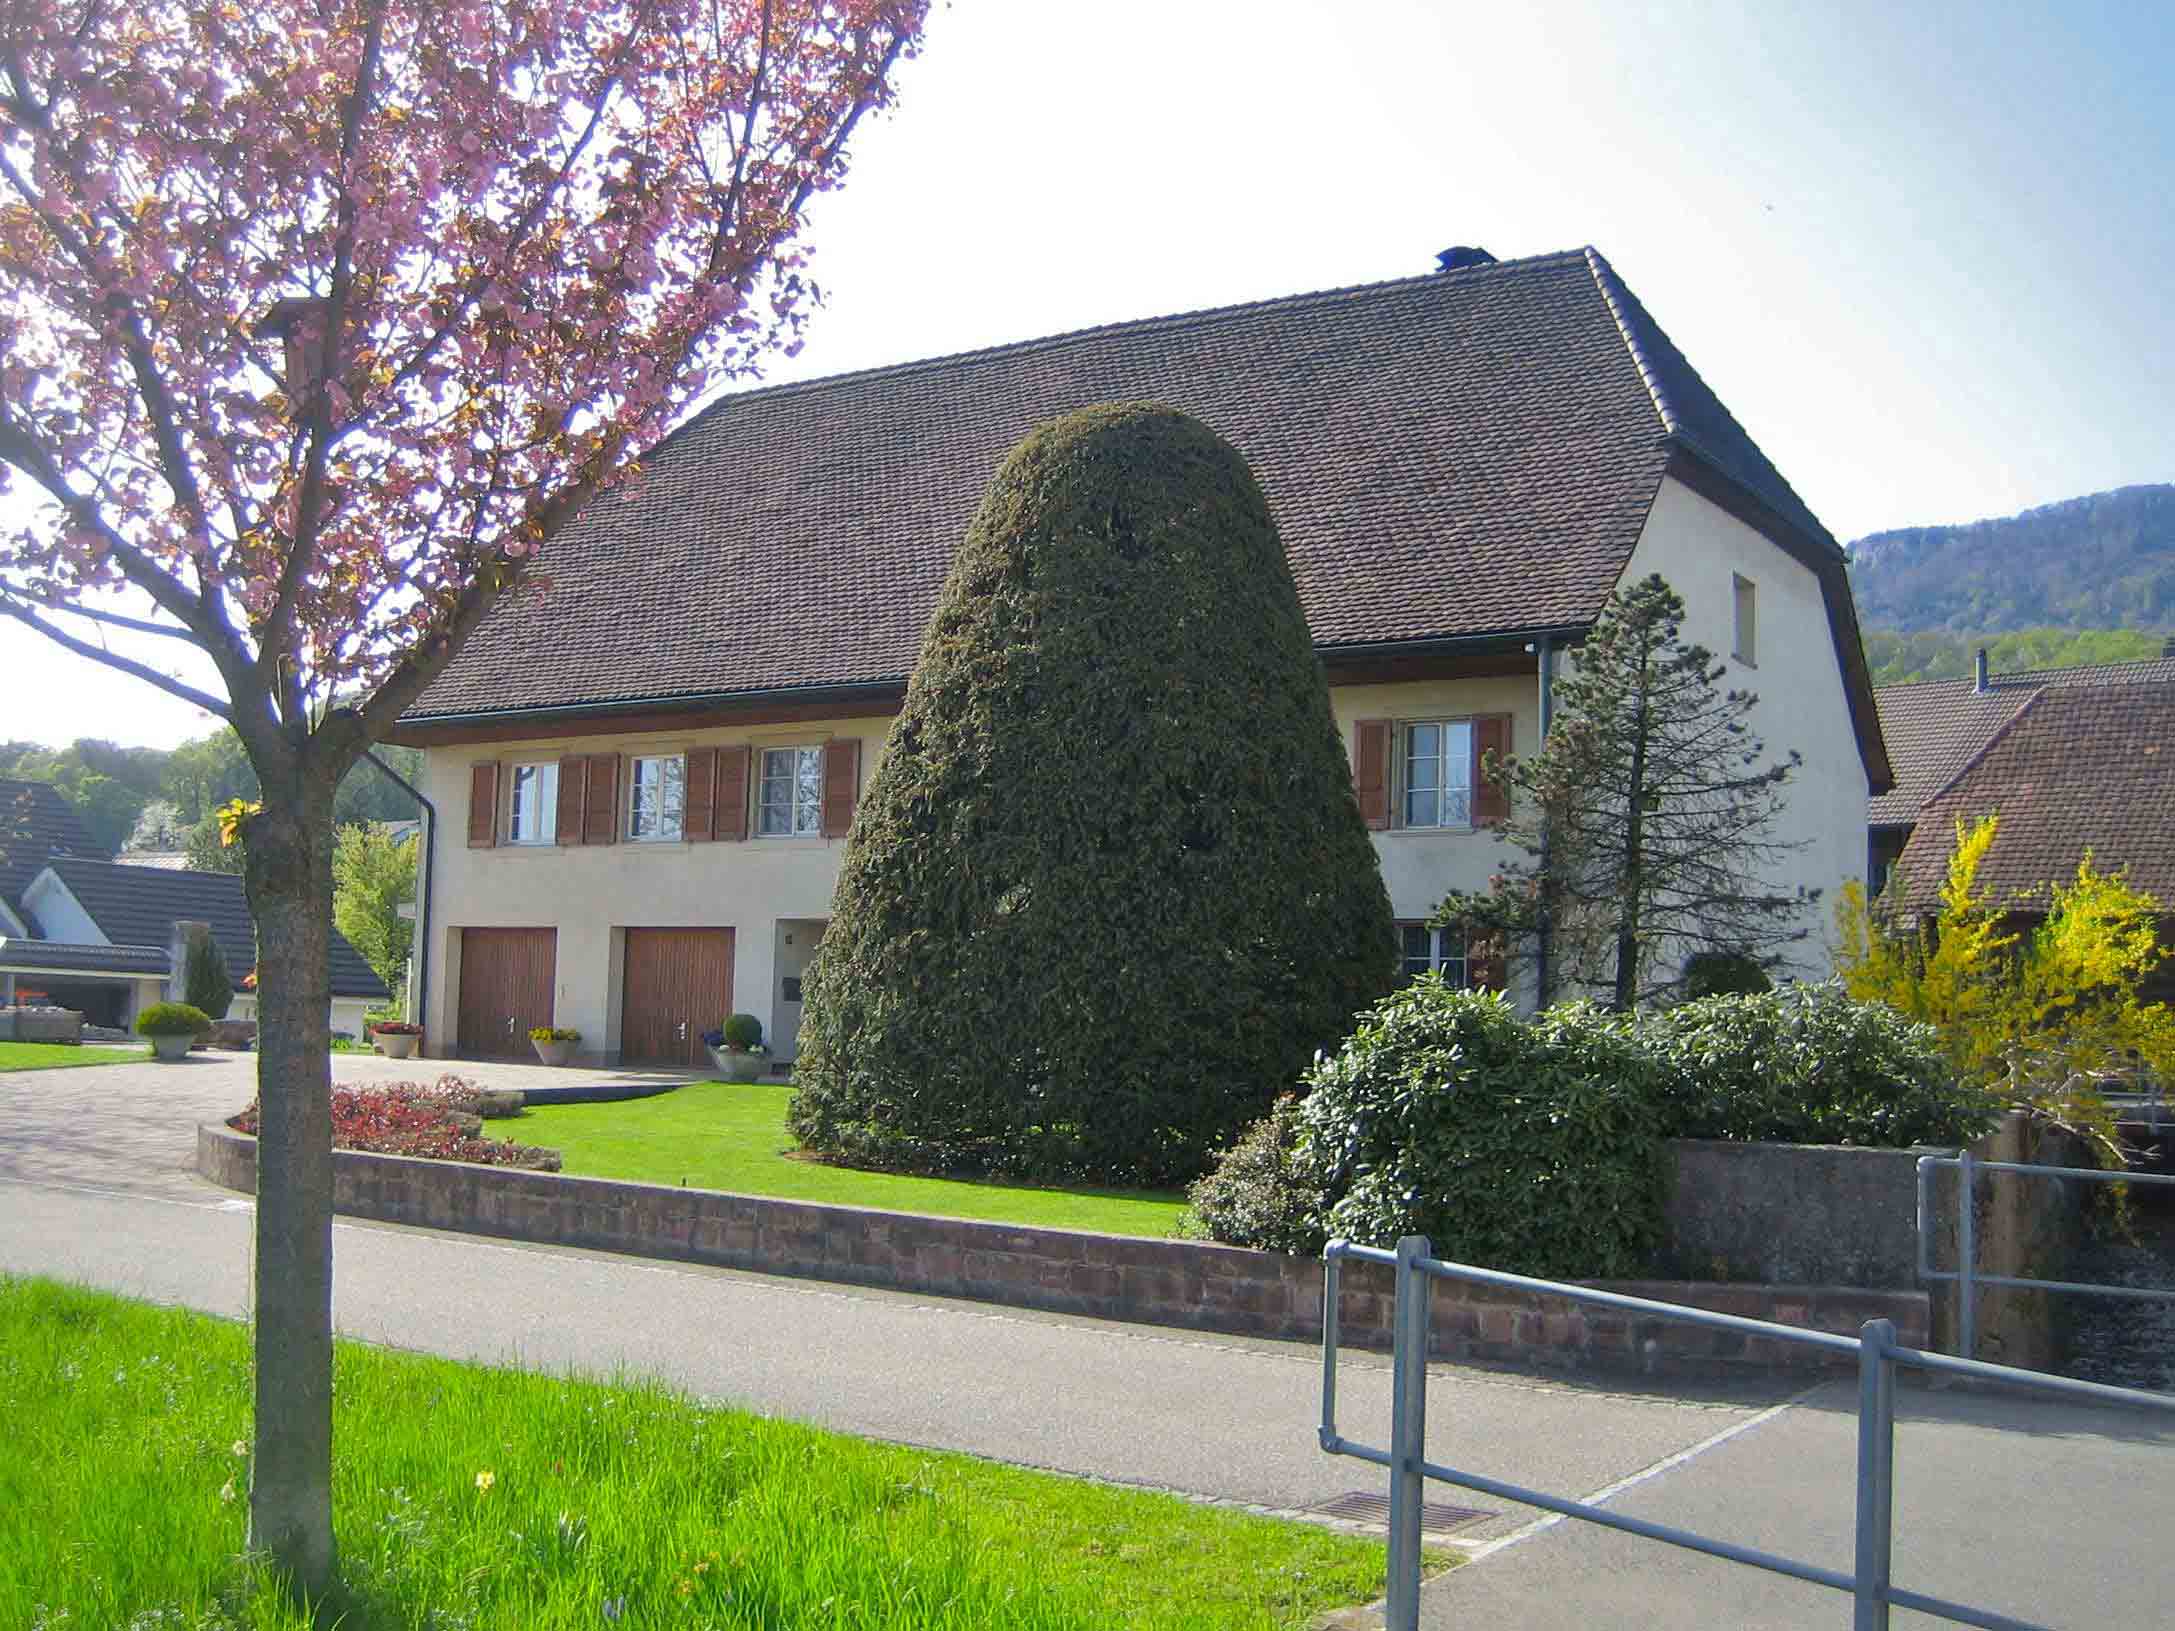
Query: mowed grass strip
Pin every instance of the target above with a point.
(58, 1055)
(497, 1500)
(733, 1136)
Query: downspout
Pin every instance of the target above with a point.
(419, 984)
(1542, 974)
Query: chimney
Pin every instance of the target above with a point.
(1982, 671)
(1459, 256)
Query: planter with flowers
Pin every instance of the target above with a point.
(736, 1047)
(396, 1038)
(172, 1028)
(554, 1043)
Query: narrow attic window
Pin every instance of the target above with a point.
(1744, 630)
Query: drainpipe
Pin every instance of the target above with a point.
(419, 980)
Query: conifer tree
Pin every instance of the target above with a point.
(1647, 818)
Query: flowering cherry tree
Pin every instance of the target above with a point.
(318, 320)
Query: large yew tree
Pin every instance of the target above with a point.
(318, 320)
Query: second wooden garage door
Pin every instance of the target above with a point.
(506, 988)
(679, 984)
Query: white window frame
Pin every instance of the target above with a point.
(798, 805)
(1744, 619)
(1445, 788)
(668, 822)
(1438, 956)
(545, 807)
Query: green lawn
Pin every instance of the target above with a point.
(55, 1055)
(496, 1500)
(725, 1135)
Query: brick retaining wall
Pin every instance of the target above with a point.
(1157, 1282)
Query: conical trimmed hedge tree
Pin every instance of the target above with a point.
(1109, 888)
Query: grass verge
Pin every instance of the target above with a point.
(723, 1135)
(59, 1055)
(495, 1500)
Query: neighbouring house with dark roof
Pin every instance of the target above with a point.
(656, 759)
(83, 931)
(2071, 760)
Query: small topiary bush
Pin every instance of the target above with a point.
(1809, 1065)
(172, 1019)
(743, 1033)
(1528, 1146)
(1260, 1192)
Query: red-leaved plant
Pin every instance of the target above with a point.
(409, 1118)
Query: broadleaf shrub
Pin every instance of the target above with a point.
(1532, 1146)
(172, 1019)
(1810, 1065)
(1262, 1192)
(435, 1122)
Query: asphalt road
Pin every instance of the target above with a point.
(2051, 1514)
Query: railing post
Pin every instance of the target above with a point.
(1967, 1252)
(1408, 1434)
(1876, 1473)
(1332, 1264)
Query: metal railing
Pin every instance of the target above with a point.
(1875, 1350)
(1966, 1272)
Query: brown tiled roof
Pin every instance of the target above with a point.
(1465, 454)
(36, 823)
(1934, 728)
(2080, 766)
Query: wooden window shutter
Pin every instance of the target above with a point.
(841, 783)
(1484, 963)
(1491, 736)
(573, 786)
(600, 807)
(482, 806)
(699, 815)
(1371, 771)
(732, 792)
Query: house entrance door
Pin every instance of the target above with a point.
(679, 984)
(507, 976)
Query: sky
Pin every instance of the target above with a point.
(1922, 253)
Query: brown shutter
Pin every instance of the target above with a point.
(1484, 969)
(482, 806)
(600, 809)
(1491, 735)
(1371, 771)
(573, 786)
(699, 815)
(841, 782)
(732, 792)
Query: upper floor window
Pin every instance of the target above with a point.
(789, 796)
(533, 815)
(1435, 773)
(1442, 950)
(658, 803)
(1744, 625)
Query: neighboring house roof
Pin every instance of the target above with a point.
(59, 957)
(166, 860)
(36, 824)
(1935, 728)
(1464, 455)
(139, 906)
(2081, 766)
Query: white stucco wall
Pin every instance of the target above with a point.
(1697, 546)
(59, 915)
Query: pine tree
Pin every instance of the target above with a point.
(206, 983)
(1647, 818)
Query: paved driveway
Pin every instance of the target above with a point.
(132, 1128)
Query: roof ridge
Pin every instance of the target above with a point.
(1615, 295)
(1985, 747)
(1160, 322)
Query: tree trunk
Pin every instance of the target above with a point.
(1634, 886)
(289, 878)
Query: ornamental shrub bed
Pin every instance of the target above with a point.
(437, 1122)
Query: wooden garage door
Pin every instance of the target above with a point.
(507, 977)
(679, 984)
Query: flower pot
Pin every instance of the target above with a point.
(553, 1053)
(741, 1066)
(396, 1047)
(171, 1048)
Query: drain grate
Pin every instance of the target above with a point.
(1363, 1507)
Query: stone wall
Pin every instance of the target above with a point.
(1160, 1282)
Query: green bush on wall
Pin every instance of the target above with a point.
(1109, 890)
(172, 1019)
